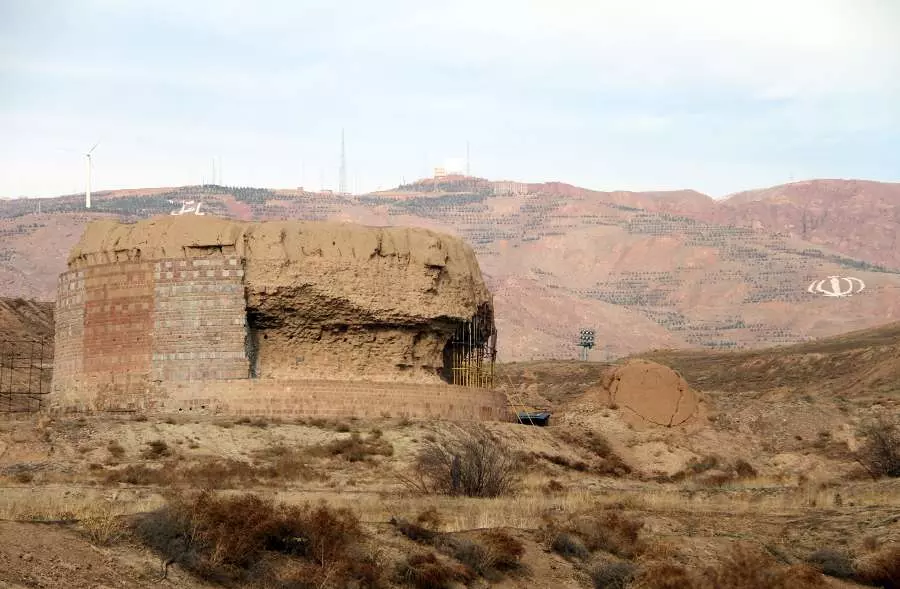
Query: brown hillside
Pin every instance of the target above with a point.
(861, 365)
(855, 217)
(654, 269)
(22, 319)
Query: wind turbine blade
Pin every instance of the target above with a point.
(93, 148)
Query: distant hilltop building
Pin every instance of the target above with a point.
(199, 314)
(505, 187)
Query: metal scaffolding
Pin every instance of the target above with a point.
(472, 350)
(26, 370)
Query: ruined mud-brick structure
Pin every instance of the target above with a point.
(201, 314)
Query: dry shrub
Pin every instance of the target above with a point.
(744, 469)
(115, 449)
(155, 450)
(414, 532)
(606, 462)
(219, 473)
(834, 563)
(23, 477)
(712, 471)
(577, 465)
(245, 539)
(612, 575)
(490, 555)
(665, 575)
(223, 473)
(609, 531)
(879, 453)
(103, 527)
(138, 474)
(478, 465)
(553, 487)
(743, 567)
(505, 551)
(355, 448)
(430, 518)
(569, 546)
(473, 555)
(427, 571)
(881, 569)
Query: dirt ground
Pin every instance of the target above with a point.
(769, 467)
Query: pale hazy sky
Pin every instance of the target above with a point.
(717, 95)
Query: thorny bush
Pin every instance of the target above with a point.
(478, 465)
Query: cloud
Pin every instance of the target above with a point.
(544, 89)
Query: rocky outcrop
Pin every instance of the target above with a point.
(323, 300)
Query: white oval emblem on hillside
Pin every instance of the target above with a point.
(837, 286)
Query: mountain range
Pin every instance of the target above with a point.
(645, 270)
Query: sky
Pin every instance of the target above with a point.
(715, 95)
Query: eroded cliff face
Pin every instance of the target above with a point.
(323, 300)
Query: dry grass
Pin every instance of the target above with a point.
(355, 448)
(584, 533)
(612, 575)
(489, 554)
(247, 539)
(45, 507)
(103, 525)
(604, 460)
(155, 450)
(881, 569)
(745, 567)
(275, 465)
(426, 571)
(880, 451)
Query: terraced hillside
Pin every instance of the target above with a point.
(646, 270)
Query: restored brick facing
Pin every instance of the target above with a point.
(199, 322)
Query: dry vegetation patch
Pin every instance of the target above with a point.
(247, 539)
(490, 554)
(474, 465)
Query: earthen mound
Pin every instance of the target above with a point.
(655, 393)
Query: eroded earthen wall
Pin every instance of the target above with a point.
(180, 314)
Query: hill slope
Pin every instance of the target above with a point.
(656, 269)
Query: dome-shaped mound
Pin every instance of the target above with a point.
(655, 393)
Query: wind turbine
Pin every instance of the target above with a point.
(87, 193)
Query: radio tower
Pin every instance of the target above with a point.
(342, 187)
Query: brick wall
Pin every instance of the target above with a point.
(322, 398)
(199, 322)
(69, 324)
